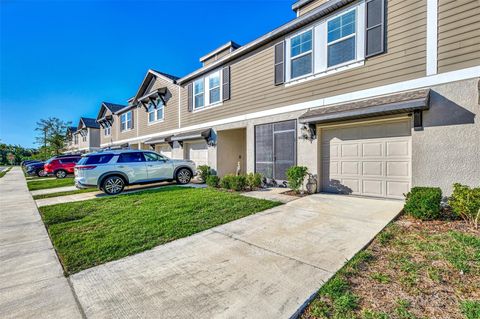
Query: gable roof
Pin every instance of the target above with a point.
(149, 77)
(169, 76)
(88, 122)
(113, 107)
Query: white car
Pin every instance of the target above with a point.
(111, 171)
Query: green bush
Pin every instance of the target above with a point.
(423, 202)
(465, 202)
(238, 183)
(295, 176)
(213, 181)
(227, 181)
(203, 172)
(254, 180)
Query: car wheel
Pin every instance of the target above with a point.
(41, 173)
(60, 174)
(113, 185)
(183, 176)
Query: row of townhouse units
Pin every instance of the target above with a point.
(83, 138)
(373, 96)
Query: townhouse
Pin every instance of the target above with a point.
(83, 138)
(373, 96)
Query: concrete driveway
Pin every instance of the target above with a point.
(262, 266)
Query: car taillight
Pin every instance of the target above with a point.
(85, 167)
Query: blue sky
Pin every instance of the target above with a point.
(63, 58)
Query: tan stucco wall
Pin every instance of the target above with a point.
(231, 149)
(448, 149)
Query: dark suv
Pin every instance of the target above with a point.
(61, 165)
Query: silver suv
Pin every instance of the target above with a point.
(111, 171)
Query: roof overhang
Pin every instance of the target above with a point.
(194, 135)
(319, 12)
(300, 3)
(229, 45)
(153, 97)
(159, 140)
(407, 102)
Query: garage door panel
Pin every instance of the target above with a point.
(370, 160)
(198, 152)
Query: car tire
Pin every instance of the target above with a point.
(60, 174)
(41, 173)
(183, 176)
(113, 185)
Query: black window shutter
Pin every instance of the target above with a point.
(190, 97)
(375, 32)
(280, 63)
(226, 83)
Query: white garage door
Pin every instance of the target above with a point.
(370, 160)
(164, 150)
(197, 152)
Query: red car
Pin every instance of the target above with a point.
(62, 165)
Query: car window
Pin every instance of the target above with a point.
(131, 157)
(152, 157)
(98, 159)
(68, 160)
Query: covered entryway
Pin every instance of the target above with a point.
(197, 152)
(371, 159)
(164, 149)
(275, 149)
(231, 151)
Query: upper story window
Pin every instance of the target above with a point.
(155, 114)
(126, 122)
(75, 138)
(107, 130)
(84, 138)
(207, 91)
(330, 44)
(341, 38)
(301, 54)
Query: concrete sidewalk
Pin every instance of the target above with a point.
(53, 190)
(265, 265)
(32, 284)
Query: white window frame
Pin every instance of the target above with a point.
(84, 138)
(75, 139)
(155, 110)
(122, 120)
(320, 47)
(311, 51)
(354, 34)
(206, 91)
(107, 130)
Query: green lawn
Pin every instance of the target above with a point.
(4, 172)
(51, 183)
(93, 232)
(77, 191)
(412, 270)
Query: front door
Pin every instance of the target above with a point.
(275, 149)
(158, 167)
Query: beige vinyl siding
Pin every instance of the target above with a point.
(458, 34)
(252, 87)
(126, 134)
(113, 132)
(217, 56)
(170, 111)
(309, 7)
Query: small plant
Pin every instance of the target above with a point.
(227, 181)
(424, 203)
(238, 183)
(470, 309)
(254, 180)
(380, 277)
(213, 181)
(295, 176)
(465, 202)
(203, 172)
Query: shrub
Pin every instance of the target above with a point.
(213, 181)
(238, 183)
(254, 180)
(226, 181)
(423, 202)
(295, 176)
(203, 172)
(465, 202)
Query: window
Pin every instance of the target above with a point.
(126, 122)
(198, 93)
(107, 129)
(69, 160)
(97, 159)
(84, 138)
(214, 87)
(131, 157)
(301, 54)
(75, 139)
(342, 39)
(155, 114)
(153, 157)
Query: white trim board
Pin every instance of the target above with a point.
(419, 83)
(432, 37)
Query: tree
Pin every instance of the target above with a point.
(52, 134)
(19, 153)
